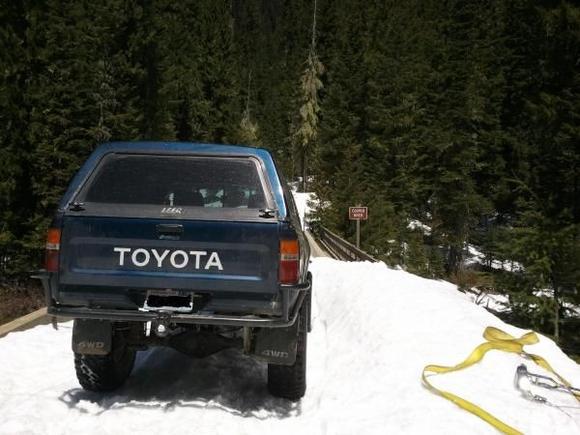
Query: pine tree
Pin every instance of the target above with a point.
(216, 115)
(249, 132)
(543, 235)
(15, 170)
(64, 110)
(341, 129)
(306, 129)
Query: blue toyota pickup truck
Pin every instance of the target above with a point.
(193, 246)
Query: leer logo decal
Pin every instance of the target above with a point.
(172, 210)
(179, 259)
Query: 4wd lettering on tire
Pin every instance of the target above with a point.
(179, 259)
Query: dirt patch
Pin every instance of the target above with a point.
(16, 301)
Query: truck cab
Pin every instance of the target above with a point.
(193, 246)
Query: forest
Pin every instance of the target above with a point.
(463, 117)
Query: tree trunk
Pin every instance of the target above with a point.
(303, 156)
(454, 259)
(556, 315)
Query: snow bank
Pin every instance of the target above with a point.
(302, 200)
(491, 301)
(475, 256)
(374, 330)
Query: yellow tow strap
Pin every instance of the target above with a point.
(499, 340)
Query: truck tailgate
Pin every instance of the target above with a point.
(125, 254)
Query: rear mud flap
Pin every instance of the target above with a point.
(92, 337)
(276, 345)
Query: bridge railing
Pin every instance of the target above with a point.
(340, 248)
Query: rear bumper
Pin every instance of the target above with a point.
(292, 298)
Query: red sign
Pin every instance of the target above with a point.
(358, 213)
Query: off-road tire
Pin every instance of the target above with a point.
(289, 382)
(105, 372)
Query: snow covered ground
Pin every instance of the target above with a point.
(495, 302)
(475, 256)
(374, 330)
(302, 200)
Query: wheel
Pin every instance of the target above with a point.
(289, 382)
(106, 372)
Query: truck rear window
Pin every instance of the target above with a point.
(176, 181)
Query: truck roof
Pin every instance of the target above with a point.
(177, 147)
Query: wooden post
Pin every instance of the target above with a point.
(358, 230)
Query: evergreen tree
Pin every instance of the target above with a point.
(341, 129)
(545, 235)
(462, 115)
(216, 115)
(306, 132)
(248, 128)
(15, 170)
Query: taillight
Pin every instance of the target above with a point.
(289, 261)
(52, 249)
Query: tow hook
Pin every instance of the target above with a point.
(161, 330)
(161, 326)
